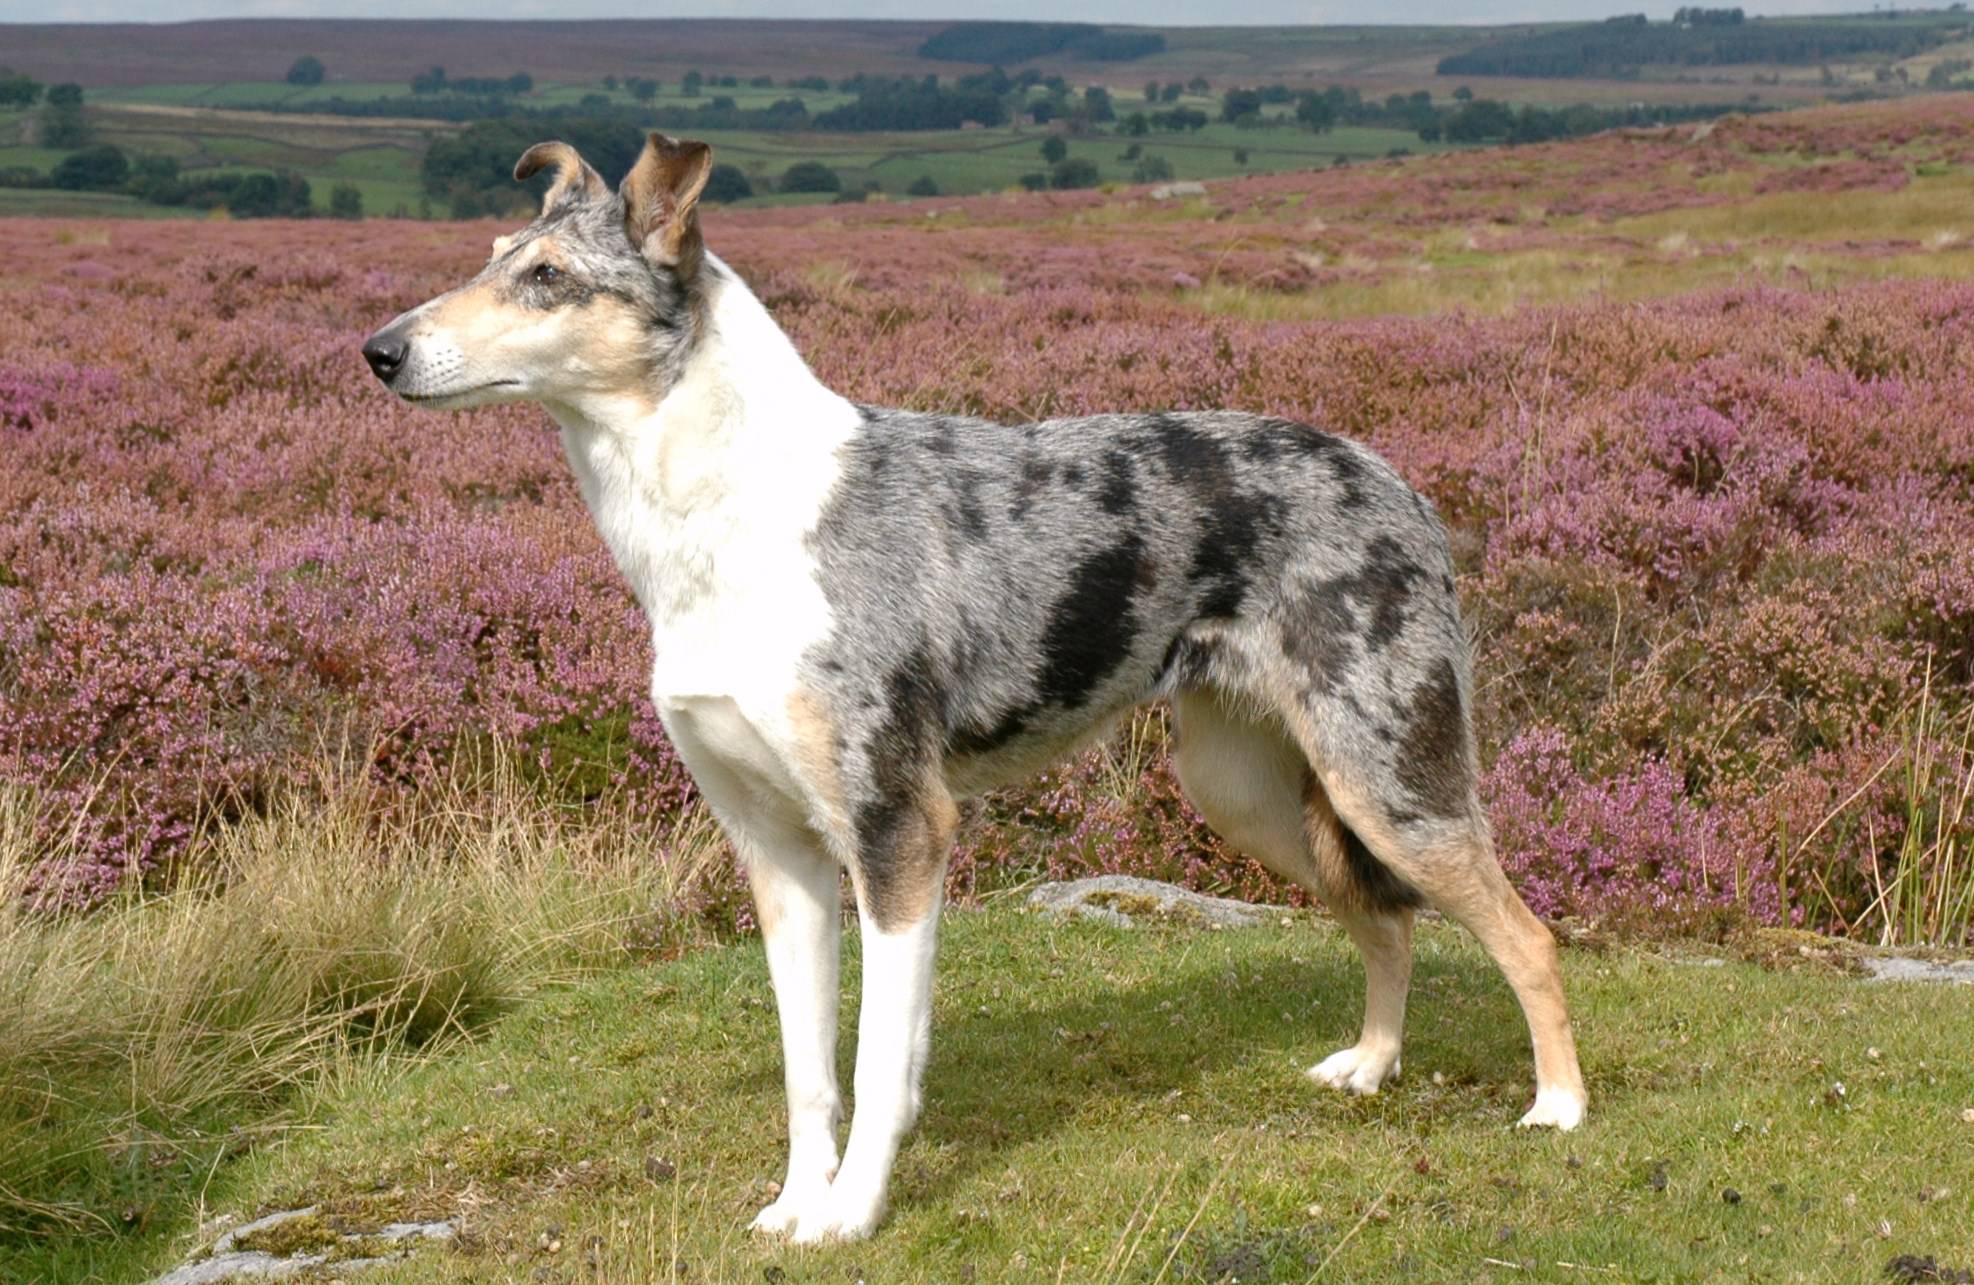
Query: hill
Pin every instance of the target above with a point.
(1375, 59)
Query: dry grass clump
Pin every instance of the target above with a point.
(147, 1040)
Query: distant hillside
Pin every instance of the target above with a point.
(1770, 61)
(1009, 43)
(106, 54)
(1624, 46)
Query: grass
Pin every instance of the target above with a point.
(149, 1042)
(1113, 1105)
(1824, 240)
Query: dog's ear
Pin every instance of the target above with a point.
(661, 201)
(573, 175)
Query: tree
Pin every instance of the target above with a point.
(430, 81)
(1054, 149)
(1151, 91)
(345, 201)
(520, 83)
(727, 183)
(93, 169)
(809, 176)
(1171, 92)
(305, 70)
(1463, 95)
(1097, 104)
(62, 122)
(1074, 172)
(923, 186)
(1315, 111)
(18, 89)
(270, 196)
(1137, 125)
(692, 83)
(1199, 85)
(1152, 169)
(1479, 121)
(644, 89)
(1240, 156)
(154, 178)
(1240, 103)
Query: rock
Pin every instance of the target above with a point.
(1895, 968)
(1123, 900)
(306, 1244)
(1166, 191)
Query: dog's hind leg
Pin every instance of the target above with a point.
(1255, 788)
(900, 880)
(1421, 833)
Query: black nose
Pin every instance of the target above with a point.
(385, 353)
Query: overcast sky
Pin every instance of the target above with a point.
(1154, 12)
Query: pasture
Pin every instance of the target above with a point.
(1694, 402)
(214, 128)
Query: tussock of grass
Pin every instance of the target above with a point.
(146, 1042)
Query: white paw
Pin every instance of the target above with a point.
(791, 1209)
(1560, 1109)
(842, 1215)
(1356, 1070)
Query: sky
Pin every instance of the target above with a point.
(1151, 12)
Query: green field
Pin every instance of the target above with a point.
(1746, 1122)
(210, 128)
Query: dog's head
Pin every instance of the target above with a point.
(600, 296)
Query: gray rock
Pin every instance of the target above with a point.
(1123, 900)
(1186, 187)
(1895, 968)
(228, 1262)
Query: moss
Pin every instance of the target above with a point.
(307, 1234)
(1140, 906)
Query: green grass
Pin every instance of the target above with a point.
(1101, 1101)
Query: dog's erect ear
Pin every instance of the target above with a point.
(573, 175)
(661, 200)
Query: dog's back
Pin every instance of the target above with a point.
(1010, 587)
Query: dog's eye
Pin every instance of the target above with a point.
(546, 274)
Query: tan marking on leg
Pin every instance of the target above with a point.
(816, 759)
(1382, 935)
(916, 877)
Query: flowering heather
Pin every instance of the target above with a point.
(1712, 546)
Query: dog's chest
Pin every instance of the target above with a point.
(714, 542)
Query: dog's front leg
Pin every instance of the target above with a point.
(900, 888)
(796, 899)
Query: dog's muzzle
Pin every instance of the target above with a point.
(386, 352)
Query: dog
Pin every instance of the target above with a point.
(861, 616)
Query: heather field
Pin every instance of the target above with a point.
(1697, 405)
(1712, 544)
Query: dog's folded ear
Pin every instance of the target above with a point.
(661, 201)
(573, 175)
